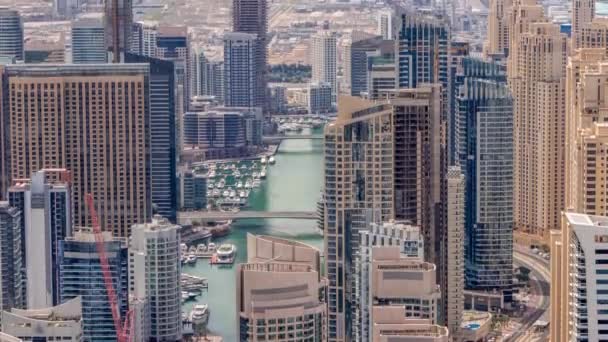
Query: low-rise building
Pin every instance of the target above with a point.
(392, 324)
(59, 323)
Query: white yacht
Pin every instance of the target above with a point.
(199, 316)
(211, 247)
(242, 194)
(271, 160)
(248, 184)
(226, 193)
(232, 193)
(191, 259)
(263, 160)
(263, 174)
(239, 185)
(225, 254)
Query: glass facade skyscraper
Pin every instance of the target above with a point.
(485, 154)
(81, 275)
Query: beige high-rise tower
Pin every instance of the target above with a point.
(587, 132)
(498, 27)
(521, 15)
(583, 12)
(538, 87)
(92, 120)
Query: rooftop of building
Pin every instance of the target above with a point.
(83, 70)
(276, 267)
(158, 223)
(172, 31)
(284, 241)
(587, 220)
(68, 311)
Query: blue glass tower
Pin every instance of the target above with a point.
(163, 149)
(485, 154)
(423, 48)
(81, 275)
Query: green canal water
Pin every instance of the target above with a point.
(293, 183)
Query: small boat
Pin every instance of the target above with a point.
(191, 259)
(232, 193)
(239, 185)
(248, 184)
(211, 247)
(244, 167)
(192, 249)
(263, 160)
(189, 295)
(210, 185)
(255, 175)
(215, 193)
(263, 174)
(225, 254)
(271, 160)
(242, 194)
(256, 183)
(226, 193)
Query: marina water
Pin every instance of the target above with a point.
(292, 184)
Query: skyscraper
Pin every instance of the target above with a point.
(324, 60)
(579, 279)
(81, 275)
(358, 54)
(211, 78)
(119, 22)
(498, 27)
(410, 246)
(586, 132)
(280, 292)
(240, 50)
(11, 34)
(485, 154)
(45, 215)
(358, 191)
(539, 113)
(422, 47)
(106, 147)
(583, 12)
(5, 156)
(163, 145)
(154, 259)
(452, 296)
(173, 44)
(385, 24)
(250, 16)
(418, 155)
(521, 15)
(11, 259)
(145, 34)
(89, 40)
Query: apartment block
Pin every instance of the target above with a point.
(539, 128)
(280, 292)
(579, 279)
(81, 276)
(359, 187)
(12, 283)
(43, 203)
(154, 276)
(96, 125)
(325, 59)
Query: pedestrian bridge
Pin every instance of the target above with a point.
(185, 217)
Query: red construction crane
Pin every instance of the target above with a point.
(123, 331)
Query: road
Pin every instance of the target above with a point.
(541, 277)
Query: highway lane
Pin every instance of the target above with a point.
(540, 276)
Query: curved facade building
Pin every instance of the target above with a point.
(280, 292)
(11, 34)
